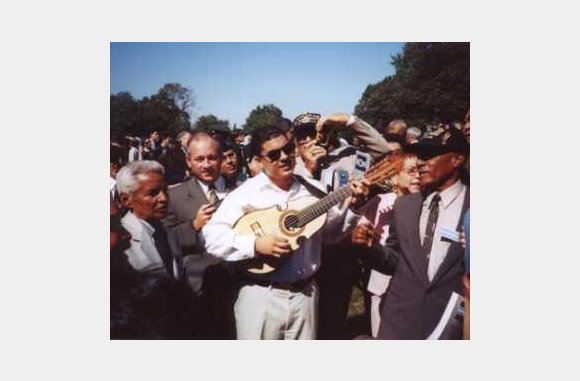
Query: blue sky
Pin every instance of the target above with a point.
(230, 79)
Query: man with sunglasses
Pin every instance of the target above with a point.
(322, 157)
(281, 304)
(424, 240)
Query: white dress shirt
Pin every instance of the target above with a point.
(220, 187)
(260, 193)
(450, 207)
(142, 255)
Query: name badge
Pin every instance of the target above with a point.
(450, 234)
(343, 178)
(362, 163)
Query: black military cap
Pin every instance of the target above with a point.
(440, 141)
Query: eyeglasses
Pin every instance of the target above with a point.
(411, 172)
(274, 155)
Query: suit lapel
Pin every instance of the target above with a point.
(195, 191)
(455, 251)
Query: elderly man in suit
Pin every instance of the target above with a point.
(149, 297)
(143, 191)
(191, 205)
(429, 260)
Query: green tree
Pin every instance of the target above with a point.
(431, 82)
(124, 113)
(208, 123)
(262, 115)
(166, 111)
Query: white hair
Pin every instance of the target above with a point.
(127, 175)
(414, 131)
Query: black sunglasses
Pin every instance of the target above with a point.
(274, 155)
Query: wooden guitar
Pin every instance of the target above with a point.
(300, 218)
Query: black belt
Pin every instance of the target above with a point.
(294, 286)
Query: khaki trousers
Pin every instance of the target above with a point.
(267, 313)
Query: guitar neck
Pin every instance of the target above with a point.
(378, 172)
(323, 205)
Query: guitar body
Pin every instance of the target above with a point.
(302, 217)
(270, 221)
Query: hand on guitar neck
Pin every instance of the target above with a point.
(272, 245)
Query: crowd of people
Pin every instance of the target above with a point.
(180, 263)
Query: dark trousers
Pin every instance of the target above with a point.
(339, 272)
(218, 296)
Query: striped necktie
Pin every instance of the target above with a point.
(213, 197)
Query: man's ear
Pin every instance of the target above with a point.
(459, 159)
(126, 201)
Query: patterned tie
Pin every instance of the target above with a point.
(213, 197)
(431, 223)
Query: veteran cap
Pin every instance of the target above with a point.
(305, 124)
(439, 141)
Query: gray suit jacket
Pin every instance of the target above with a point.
(184, 202)
(413, 305)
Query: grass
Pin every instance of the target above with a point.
(357, 323)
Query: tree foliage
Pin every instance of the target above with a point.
(431, 82)
(166, 111)
(124, 113)
(262, 115)
(208, 123)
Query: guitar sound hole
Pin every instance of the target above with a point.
(291, 222)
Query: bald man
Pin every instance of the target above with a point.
(191, 205)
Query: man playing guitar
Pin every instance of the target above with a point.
(281, 304)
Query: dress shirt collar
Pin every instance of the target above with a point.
(447, 196)
(264, 181)
(220, 185)
(138, 226)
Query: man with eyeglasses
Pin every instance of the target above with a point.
(281, 304)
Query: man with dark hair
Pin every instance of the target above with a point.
(173, 158)
(231, 164)
(423, 240)
(281, 304)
